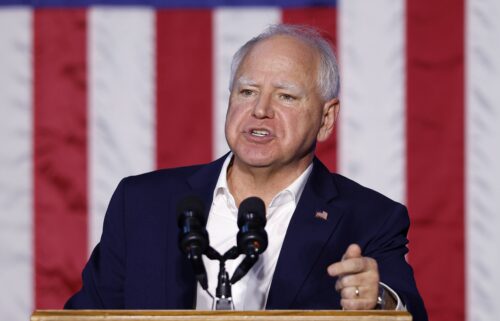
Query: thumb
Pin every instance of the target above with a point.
(353, 251)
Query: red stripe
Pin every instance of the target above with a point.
(184, 87)
(435, 145)
(325, 20)
(60, 153)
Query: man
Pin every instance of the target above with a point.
(332, 243)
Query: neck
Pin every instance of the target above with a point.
(264, 182)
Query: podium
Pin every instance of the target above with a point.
(194, 315)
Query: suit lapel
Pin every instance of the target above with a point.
(203, 182)
(305, 238)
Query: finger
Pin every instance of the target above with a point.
(348, 266)
(338, 284)
(360, 292)
(353, 266)
(351, 292)
(345, 282)
(358, 304)
(353, 251)
(368, 279)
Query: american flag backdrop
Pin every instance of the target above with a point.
(92, 91)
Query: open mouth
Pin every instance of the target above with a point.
(259, 132)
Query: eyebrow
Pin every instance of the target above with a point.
(296, 90)
(287, 86)
(246, 81)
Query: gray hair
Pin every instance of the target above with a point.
(328, 81)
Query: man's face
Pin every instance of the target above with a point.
(275, 112)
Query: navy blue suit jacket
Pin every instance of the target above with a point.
(137, 264)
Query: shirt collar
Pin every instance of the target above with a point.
(290, 193)
(294, 190)
(221, 188)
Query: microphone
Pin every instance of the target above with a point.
(193, 237)
(252, 237)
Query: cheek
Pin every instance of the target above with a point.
(233, 117)
(299, 122)
(304, 127)
(228, 125)
(232, 111)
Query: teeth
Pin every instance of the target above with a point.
(260, 133)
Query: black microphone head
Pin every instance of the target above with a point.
(252, 237)
(255, 206)
(191, 204)
(193, 237)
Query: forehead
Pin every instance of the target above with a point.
(281, 55)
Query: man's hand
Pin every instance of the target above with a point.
(358, 279)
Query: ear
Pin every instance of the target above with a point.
(328, 118)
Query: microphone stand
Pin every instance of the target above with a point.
(223, 300)
(251, 241)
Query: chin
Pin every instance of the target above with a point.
(254, 160)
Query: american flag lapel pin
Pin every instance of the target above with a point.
(322, 215)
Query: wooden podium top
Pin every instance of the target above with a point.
(193, 315)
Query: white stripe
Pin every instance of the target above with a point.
(122, 105)
(232, 28)
(16, 162)
(372, 115)
(483, 159)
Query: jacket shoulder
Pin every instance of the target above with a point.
(164, 176)
(351, 190)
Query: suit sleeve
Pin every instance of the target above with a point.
(388, 248)
(104, 274)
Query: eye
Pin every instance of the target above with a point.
(287, 97)
(246, 92)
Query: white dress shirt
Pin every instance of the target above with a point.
(250, 293)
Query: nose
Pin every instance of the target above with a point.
(263, 107)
